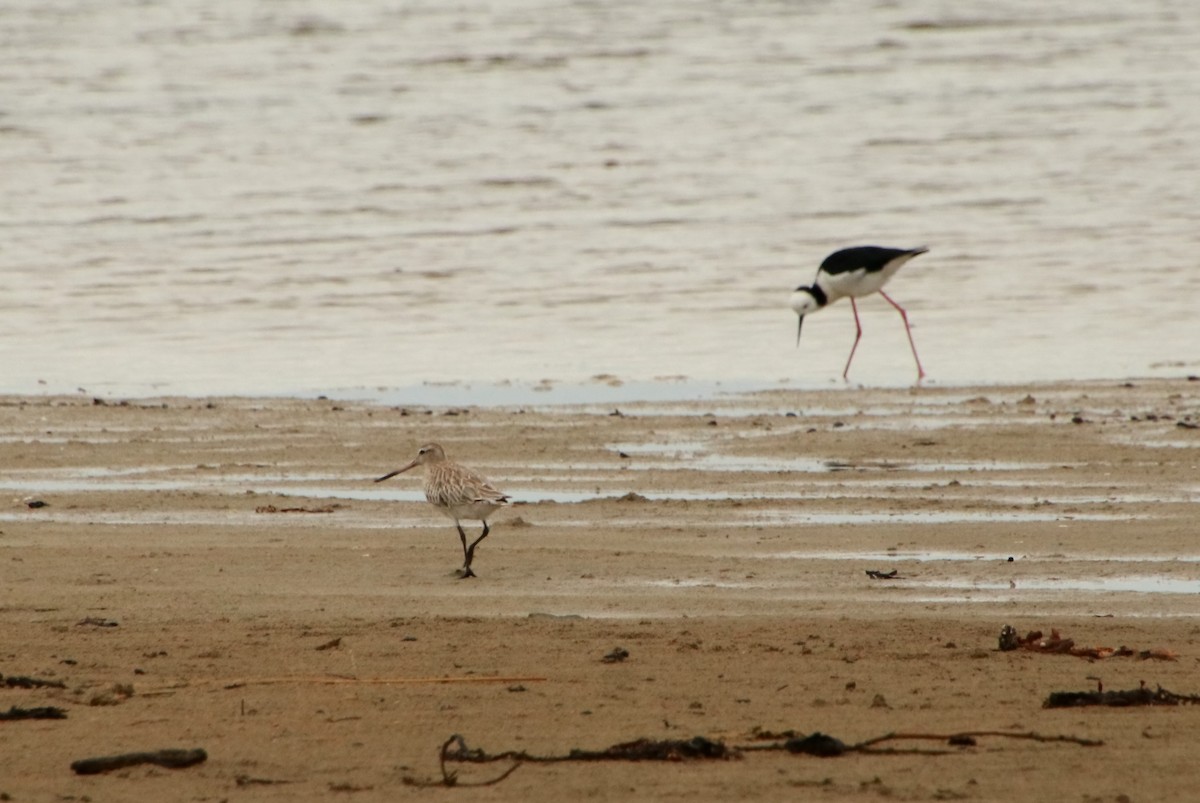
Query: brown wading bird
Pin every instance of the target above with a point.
(458, 492)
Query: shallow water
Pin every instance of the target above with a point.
(947, 555)
(1150, 584)
(306, 197)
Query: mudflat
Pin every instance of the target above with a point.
(224, 574)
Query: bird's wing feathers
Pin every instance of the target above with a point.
(864, 257)
(440, 497)
(489, 493)
(457, 485)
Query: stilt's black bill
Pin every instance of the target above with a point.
(799, 326)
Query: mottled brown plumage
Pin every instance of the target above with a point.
(458, 492)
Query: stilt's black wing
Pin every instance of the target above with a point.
(871, 257)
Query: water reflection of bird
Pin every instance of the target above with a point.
(458, 492)
(853, 273)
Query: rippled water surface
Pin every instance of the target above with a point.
(291, 196)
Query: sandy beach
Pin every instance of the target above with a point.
(224, 574)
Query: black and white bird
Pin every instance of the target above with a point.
(853, 273)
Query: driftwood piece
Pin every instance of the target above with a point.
(702, 748)
(41, 712)
(818, 744)
(617, 655)
(1119, 699)
(961, 739)
(27, 682)
(336, 680)
(274, 509)
(1056, 644)
(171, 758)
(455, 749)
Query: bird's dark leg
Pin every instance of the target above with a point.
(857, 337)
(908, 331)
(471, 551)
(466, 569)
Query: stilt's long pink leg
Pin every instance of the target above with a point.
(857, 337)
(908, 331)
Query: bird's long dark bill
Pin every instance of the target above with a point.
(397, 471)
(799, 326)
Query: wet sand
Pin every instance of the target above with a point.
(224, 574)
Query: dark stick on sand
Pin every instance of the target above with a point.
(175, 759)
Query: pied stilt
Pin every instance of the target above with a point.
(853, 273)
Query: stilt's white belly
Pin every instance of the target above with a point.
(859, 283)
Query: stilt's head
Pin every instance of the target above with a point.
(429, 453)
(805, 300)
